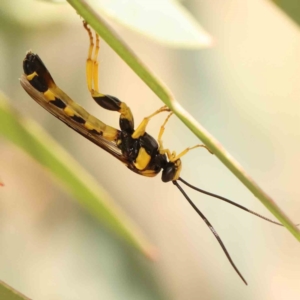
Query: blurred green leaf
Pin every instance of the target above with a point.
(165, 21)
(291, 8)
(37, 143)
(8, 293)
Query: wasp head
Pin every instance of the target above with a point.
(171, 171)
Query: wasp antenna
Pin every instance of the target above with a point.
(211, 229)
(230, 202)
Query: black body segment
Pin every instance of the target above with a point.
(112, 103)
(78, 119)
(59, 103)
(108, 102)
(37, 73)
(39, 84)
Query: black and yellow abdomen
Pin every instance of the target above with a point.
(40, 79)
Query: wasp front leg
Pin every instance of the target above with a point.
(161, 148)
(140, 131)
(172, 156)
(106, 101)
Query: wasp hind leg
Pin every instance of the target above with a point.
(92, 63)
(105, 101)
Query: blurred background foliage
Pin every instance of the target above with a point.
(291, 8)
(244, 90)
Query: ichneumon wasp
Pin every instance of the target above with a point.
(135, 148)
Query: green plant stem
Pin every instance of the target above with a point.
(291, 8)
(111, 38)
(8, 293)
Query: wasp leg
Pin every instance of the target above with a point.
(105, 101)
(184, 152)
(96, 63)
(172, 155)
(160, 134)
(92, 63)
(140, 131)
(89, 61)
(161, 149)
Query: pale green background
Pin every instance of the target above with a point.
(245, 91)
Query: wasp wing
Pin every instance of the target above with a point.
(107, 145)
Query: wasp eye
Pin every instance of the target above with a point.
(169, 172)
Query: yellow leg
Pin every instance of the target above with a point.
(89, 61)
(172, 155)
(161, 132)
(168, 152)
(142, 127)
(184, 152)
(92, 77)
(96, 64)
